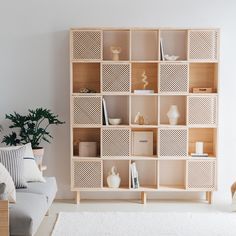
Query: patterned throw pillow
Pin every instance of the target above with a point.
(8, 184)
(14, 163)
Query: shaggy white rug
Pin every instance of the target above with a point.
(144, 223)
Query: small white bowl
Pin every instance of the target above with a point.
(114, 121)
(171, 58)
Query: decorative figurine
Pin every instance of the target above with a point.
(139, 119)
(144, 80)
(115, 53)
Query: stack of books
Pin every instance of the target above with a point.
(134, 176)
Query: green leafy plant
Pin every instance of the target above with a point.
(31, 128)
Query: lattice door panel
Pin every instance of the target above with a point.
(86, 44)
(201, 174)
(86, 174)
(87, 110)
(115, 142)
(116, 78)
(203, 45)
(202, 110)
(172, 142)
(173, 78)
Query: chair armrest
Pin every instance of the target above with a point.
(4, 218)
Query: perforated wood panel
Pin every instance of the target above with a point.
(86, 45)
(87, 110)
(86, 174)
(172, 142)
(202, 110)
(201, 174)
(173, 78)
(115, 142)
(116, 78)
(203, 45)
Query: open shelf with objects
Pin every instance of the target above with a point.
(203, 77)
(116, 42)
(174, 43)
(131, 103)
(86, 77)
(142, 72)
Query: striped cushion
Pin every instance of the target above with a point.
(14, 163)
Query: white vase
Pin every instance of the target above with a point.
(113, 180)
(173, 115)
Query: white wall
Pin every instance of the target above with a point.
(34, 62)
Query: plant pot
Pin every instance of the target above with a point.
(38, 155)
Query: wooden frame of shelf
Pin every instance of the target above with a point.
(171, 167)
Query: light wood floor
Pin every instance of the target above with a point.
(47, 225)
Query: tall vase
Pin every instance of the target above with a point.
(38, 155)
(173, 115)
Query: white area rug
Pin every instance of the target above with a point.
(145, 223)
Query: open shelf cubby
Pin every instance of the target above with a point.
(116, 38)
(165, 102)
(139, 143)
(118, 107)
(203, 75)
(147, 173)
(175, 43)
(86, 75)
(144, 45)
(206, 135)
(122, 167)
(139, 71)
(86, 135)
(147, 106)
(172, 174)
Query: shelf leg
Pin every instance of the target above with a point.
(207, 196)
(143, 197)
(210, 197)
(77, 197)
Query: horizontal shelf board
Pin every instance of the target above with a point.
(86, 158)
(143, 189)
(141, 61)
(143, 126)
(86, 94)
(115, 126)
(172, 126)
(138, 94)
(141, 28)
(153, 158)
(121, 188)
(171, 188)
(86, 126)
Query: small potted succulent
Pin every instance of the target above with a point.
(31, 128)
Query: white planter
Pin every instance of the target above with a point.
(173, 115)
(38, 155)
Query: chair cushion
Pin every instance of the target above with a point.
(27, 214)
(49, 189)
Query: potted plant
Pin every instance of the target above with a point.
(31, 128)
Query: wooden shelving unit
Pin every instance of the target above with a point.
(170, 167)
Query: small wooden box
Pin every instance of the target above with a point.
(202, 90)
(142, 143)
